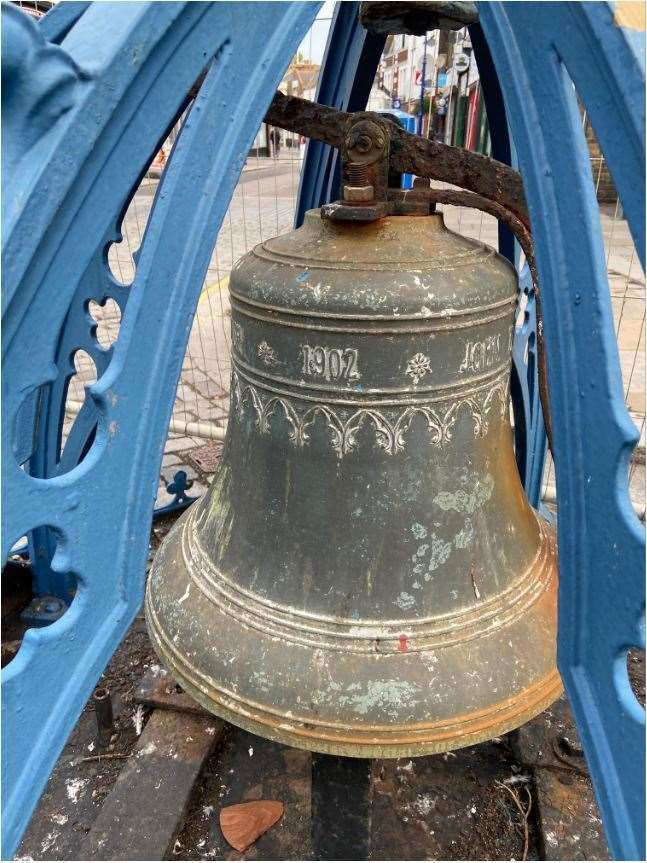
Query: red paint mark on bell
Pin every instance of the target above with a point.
(403, 645)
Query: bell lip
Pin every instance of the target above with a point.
(350, 738)
(381, 741)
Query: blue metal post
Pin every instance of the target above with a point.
(421, 108)
(543, 60)
(80, 120)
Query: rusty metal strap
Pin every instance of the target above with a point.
(409, 153)
(459, 198)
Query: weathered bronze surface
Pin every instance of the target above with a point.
(365, 576)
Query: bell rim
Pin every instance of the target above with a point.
(418, 739)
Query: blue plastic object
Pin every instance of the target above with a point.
(408, 122)
(81, 120)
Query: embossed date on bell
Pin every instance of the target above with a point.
(481, 355)
(331, 364)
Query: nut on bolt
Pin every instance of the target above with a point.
(358, 194)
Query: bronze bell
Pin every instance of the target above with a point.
(365, 576)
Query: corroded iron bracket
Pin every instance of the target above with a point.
(416, 18)
(408, 153)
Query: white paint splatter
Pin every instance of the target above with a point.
(423, 804)
(405, 600)
(74, 787)
(59, 819)
(251, 751)
(440, 551)
(185, 595)
(49, 840)
(462, 501)
(390, 695)
(465, 536)
(138, 719)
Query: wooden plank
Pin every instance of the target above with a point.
(570, 827)
(568, 817)
(144, 812)
(342, 796)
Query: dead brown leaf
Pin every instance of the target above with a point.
(243, 823)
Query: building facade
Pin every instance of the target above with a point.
(434, 78)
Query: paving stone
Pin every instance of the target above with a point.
(209, 388)
(208, 456)
(197, 489)
(163, 498)
(170, 459)
(181, 443)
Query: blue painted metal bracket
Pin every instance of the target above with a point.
(542, 56)
(529, 429)
(76, 136)
(178, 487)
(497, 121)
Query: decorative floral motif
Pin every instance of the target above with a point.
(418, 366)
(42, 83)
(390, 425)
(267, 354)
(237, 336)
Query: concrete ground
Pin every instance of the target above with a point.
(263, 206)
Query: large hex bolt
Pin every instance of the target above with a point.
(364, 145)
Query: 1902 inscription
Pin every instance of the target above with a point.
(481, 355)
(332, 364)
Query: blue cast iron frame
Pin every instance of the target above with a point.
(111, 80)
